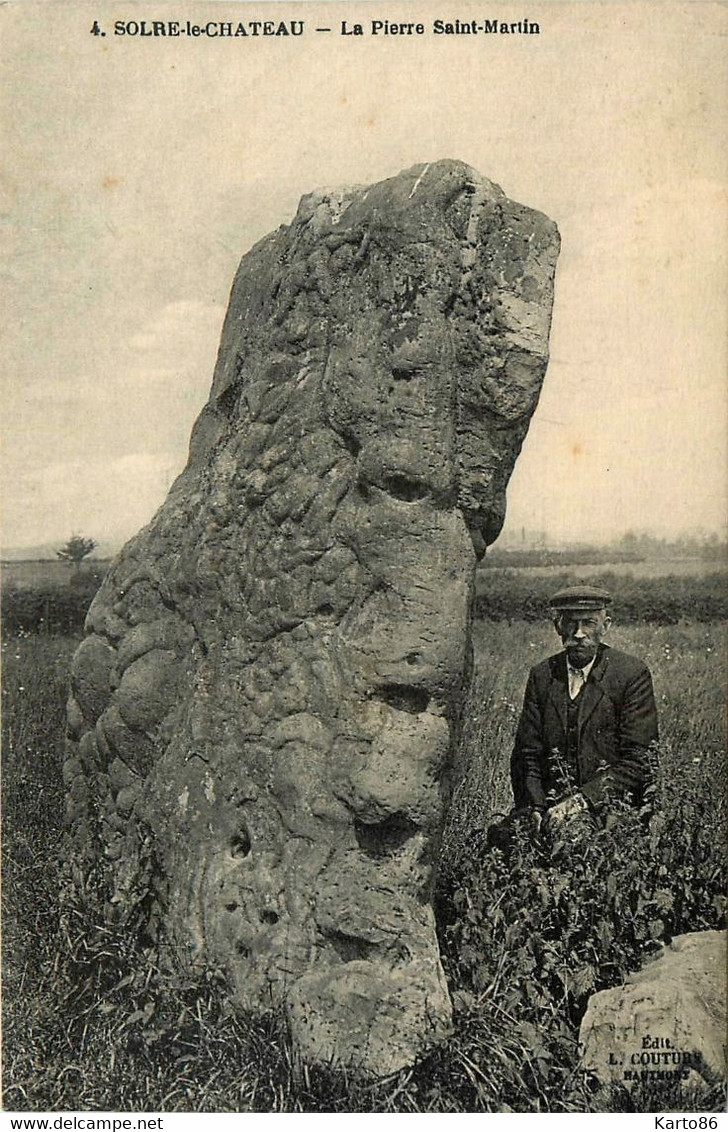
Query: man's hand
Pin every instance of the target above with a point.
(566, 811)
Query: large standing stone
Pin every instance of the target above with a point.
(263, 713)
(667, 1022)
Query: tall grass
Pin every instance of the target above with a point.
(91, 1020)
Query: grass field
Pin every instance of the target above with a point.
(91, 1022)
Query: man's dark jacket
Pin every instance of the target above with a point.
(617, 723)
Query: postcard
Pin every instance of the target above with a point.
(364, 557)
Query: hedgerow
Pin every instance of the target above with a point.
(639, 549)
(57, 608)
(504, 595)
(587, 556)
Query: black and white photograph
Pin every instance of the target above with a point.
(364, 559)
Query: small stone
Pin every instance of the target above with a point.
(667, 1022)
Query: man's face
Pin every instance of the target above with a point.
(581, 633)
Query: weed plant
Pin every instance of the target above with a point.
(93, 1021)
(532, 929)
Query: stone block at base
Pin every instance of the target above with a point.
(667, 1023)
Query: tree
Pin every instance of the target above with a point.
(76, 549)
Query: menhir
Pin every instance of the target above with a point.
(264, 709)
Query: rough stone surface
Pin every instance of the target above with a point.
(667, 1022)
(264, 710)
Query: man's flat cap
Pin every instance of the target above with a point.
(580, 598)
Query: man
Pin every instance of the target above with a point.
(588, 716)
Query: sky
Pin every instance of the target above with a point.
(139, 170)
